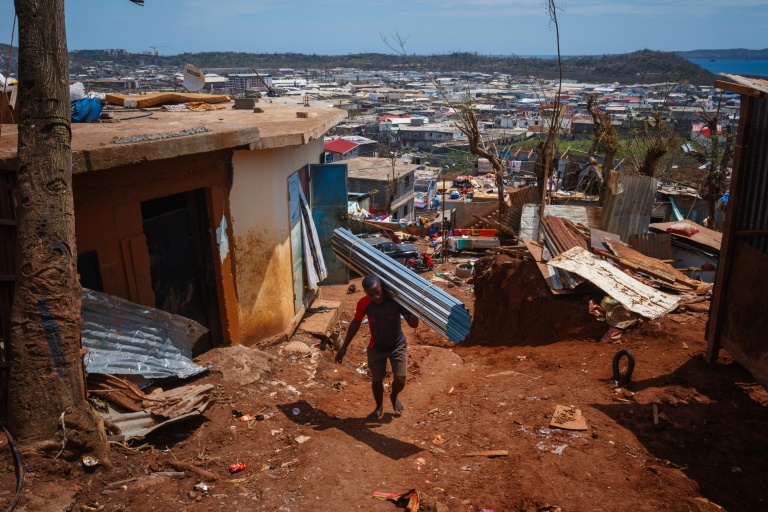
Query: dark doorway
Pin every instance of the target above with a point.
(181, 261)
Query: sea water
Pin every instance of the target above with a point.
(734, 67)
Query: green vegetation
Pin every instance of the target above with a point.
(735, 54)
(644, 66)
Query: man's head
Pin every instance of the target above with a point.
(373, 288)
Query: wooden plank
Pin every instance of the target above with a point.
(7, 279)
(719, 297)
(487, 453)
(705, 237)
(598, 238)
(739, 89)
(7, 222)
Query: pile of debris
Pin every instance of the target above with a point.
(574, 258)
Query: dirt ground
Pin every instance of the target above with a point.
(498, 392)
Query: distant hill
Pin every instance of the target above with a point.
(734, 54)
(643, 66)
(638, 67)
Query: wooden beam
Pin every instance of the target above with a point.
(744, 90)
(7, 222)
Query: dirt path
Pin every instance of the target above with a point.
(709, 444)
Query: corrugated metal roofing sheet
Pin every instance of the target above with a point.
(529, 223)
(628, 205)
(123, 337)
(631, 293)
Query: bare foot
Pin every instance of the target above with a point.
(376, 415)
(397, 405)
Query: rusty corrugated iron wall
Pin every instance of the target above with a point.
(753, 212)
(628, 204)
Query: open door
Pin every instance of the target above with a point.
(328, 184)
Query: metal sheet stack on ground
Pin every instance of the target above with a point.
(436, 308)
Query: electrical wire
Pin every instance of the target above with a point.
(19, 468)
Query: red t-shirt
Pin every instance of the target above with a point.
(383, 322)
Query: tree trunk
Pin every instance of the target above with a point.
(47, 379)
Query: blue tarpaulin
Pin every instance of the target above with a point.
(86, 110)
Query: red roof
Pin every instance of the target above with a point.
(340, 146)
(387, 116)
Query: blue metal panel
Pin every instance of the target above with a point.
(328, 185)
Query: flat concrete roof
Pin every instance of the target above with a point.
(93, 148)
(379, 169)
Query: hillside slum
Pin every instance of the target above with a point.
(584, 381)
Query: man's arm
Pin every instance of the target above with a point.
(354, 326)
(411, 319)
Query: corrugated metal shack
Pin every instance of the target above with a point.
(737, 320)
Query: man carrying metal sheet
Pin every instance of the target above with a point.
(387, 342)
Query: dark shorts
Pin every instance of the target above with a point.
(398, 360)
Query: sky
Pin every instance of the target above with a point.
(338, 27)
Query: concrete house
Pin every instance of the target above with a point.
(204, 222)
(372, 175)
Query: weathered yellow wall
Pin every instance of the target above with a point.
(261, 246)
(108, 220)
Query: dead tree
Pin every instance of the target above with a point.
(547, 149)
(650, 144)
(467, 123)
(392, 179)
(715, 152)
(47, 407)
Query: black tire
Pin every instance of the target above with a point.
(623, 380)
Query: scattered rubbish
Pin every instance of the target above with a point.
(549, 508)
(296, 411)
(450, 390)
(134, 414)
(559, 449)
(276, 432)
(289, 463)
(352, 288)
(620, 380)
(202, 487)
(89, 461)
(736, 470)
(410, 500)
(568, 418)
(421, 461)
(246, 417)
(612, 334)
(362, 369)
(263, 416)
(434, 411)
(123, 337)
(237, 467)
(487, 453)
(466, 468)
(438, 439)
(180, 474)
(302, 439)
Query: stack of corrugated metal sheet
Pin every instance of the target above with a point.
(435, 307)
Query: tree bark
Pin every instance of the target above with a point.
(47, 379)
